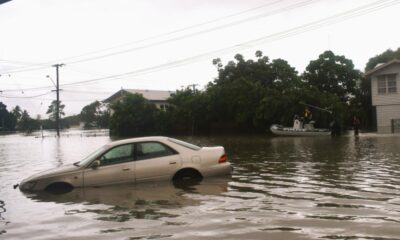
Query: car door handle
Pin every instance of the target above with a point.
(126, 169)
(172, 163)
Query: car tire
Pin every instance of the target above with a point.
(187, 177)
(59, 188)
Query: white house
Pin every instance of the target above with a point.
(385, 79)
(159, 98)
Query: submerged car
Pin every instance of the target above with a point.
(135, 160)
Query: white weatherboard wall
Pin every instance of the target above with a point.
(388, 104)
(384, 115)
(389, 98)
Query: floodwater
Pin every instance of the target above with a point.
(281, 188)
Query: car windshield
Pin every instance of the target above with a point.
(184, 144)
(91, 157)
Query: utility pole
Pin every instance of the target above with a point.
(57, 66)
(193, 86)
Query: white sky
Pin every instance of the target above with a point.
(36, 34)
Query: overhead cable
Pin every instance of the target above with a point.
(252, 18)
(359, 11)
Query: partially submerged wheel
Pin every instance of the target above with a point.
(59, 188)
(187, 177)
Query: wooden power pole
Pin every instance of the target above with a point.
(57, 66)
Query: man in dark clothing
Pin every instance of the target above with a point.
(356, 125)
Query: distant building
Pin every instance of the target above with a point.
(385, 95)
(159, 98)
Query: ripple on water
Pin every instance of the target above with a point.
(281, 188)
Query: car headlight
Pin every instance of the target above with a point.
(28, 185)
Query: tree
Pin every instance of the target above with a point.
(285, 77)
(26, 123)
(95, 114)
(7, 120)
(17, 112)
(384, 57)
(188, 112)
(134, 116)
(52, 110)
(235, 96)
(333, 74)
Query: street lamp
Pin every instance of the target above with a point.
(51, 79)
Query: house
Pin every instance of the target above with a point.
(159, 98)
(386, 96)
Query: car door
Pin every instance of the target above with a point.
(116, 166)
(155, 160)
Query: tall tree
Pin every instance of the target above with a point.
(333, 74)
(95, 114)
(52, 110)
(189, 111)
(17, 112)
(7, 120)
(382, 58)
(135, 116)
(242, 85)
(26, 123)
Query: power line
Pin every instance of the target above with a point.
(19, 62)
(359, 11)
(181, 29)
(156, 36)
(252, 18)
(35, 96)
(66, 100)
(365, 9)
(86, 92)
(297, 5)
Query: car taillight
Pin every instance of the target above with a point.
(223, 158)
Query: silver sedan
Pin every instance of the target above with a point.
(134, 160)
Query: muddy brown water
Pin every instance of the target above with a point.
(281, 188)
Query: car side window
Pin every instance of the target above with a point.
(119, 154)
(147, 150)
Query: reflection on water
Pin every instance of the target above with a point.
(281, 188)
(2, 219)
(141, 201)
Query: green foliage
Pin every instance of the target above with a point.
(384, 57)
(250, 95)
(7, 120)
(333, 74)
(26, 123)
(70, 121)
(52, 110)
(189, 112)
(95, 115)
(247, 95)
(133, 116)
(17, 112)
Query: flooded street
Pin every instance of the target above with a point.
(281, 188)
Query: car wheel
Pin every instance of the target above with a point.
(59, 188)
(187, 177)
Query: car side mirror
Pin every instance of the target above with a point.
(95, 164)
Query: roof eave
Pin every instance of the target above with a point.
(372, 71)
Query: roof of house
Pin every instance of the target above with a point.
(151, 95)
(381, 66)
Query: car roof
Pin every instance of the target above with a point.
(140, 139)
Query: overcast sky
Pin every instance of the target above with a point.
(167, 44)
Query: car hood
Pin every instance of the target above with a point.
(53, 171)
